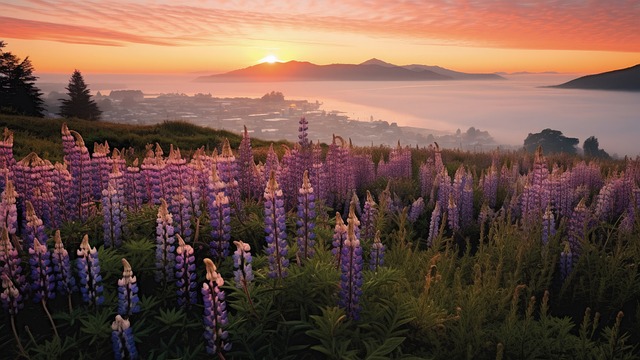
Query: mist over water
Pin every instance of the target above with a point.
(508, 110)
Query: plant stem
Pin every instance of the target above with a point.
(53, 325)
(15, 333)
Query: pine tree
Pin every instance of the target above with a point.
(18, 93)
(79, 104)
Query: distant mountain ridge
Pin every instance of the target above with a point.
(370, 70)
(627, 79)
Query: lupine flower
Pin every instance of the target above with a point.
(220, 215)
(275, 228)
(35, 227)
(466, 206)
(165, 248)
(76, 155)
(185, 273)
(548, 226)
(215, 311)
(376, 256)
(566, 261)
(8, 209)
(351, 274)
(490, 186)
(10, 296)
(10, 260)
(100, 168)
(243, 275)
(89, 273)
(42, 280)
(124, 345)
(65, 282)
(113, 210)
(306, 216)
(434, 225)
(228, 171)
(246, 179)
(127, 292)
(134, 186)
(339, 237)
(417, 208)
(7, 160)
(453, 215)
(577, 227)
(369, 218)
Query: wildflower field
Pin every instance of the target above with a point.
(305, 251)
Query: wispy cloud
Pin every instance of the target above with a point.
(575, 25)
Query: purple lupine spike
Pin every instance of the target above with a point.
(466, 205)
(351, 274)
(62, 190)
(246, 179)
(7, 160)
(228, 172)
(220, 215)
(577, 228)
(10, 260)
(89, 273)
(369, 216)
(178, 193)
(243, 273)
(65, 283)
(124, 345)
(8, 209)
(42, 280)
(628, 220)
(376, 256)
(306, 219)
(303, 138)
(153, 169)
(271, 164)
(193, 187)
(76, 155)
(165, 244)
(548, 225)
(444, 188)
(453, 215)
(434, 225)
(215, 312)
(134, 187)
(566, 261)
(10, 296)
(34, 228)
(100, 168)
(185, 274)
(417, 208)
(318, 174)
(287, 177)
(427, 177)
(113, 209)
(339, 237)
(275, 229)
(128, 301)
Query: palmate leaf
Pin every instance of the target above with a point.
(56, 348)
(97, 326)
(382, 351)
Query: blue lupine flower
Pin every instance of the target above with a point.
(351, 274)
(35, 227)
(165, 248)
(124, 345)
(10, 296)
(215, 311)
(113, 209)
(305, 221)
(42, 280)
(339, 237)
(65, 282)
(243, 275)
(185, 273)
(128, 301)
(89, 273)
(275, 227)
(376, 257)
(369, 218)
(453, 215)
(434, 225)
(548, 226)
(417, 208)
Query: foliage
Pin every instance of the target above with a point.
(79, 103)
(591, 148)
(551, 141)
(18, 93)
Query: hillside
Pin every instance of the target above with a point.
(627, 79)
(455, 75)
(43, 135)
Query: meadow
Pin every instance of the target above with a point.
(179, 242)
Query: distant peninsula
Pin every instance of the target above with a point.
(627, 79)
(370, 70)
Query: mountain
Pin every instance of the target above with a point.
(370, 70)
(623, 80)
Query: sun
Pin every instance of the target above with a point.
(269, 59)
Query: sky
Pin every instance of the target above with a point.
(207, 37)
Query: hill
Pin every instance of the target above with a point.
(306, 71)
(627, 79)
(43, 136)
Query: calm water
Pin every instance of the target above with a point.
(509, 110)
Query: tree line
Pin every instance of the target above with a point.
(19, 94)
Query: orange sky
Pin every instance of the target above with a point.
(154, 36)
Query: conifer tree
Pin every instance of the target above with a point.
(79, 104)
(18, 93)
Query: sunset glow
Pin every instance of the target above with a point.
(126, 36)
(269, 59)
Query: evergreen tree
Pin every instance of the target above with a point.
(591, 148)
(18, 93)
(79, 104)
(552, 141)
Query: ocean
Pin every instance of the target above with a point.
(509, 110)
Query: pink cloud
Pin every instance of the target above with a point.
(575, 25)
